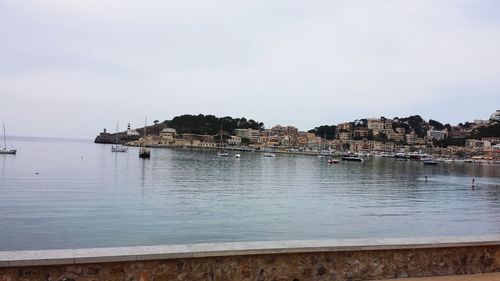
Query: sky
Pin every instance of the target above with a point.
(72, 68)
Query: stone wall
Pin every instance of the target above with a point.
(363, 262)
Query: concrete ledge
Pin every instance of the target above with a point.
(145, 253)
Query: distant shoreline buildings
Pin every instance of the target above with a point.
(371, 135)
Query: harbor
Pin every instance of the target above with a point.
(85, 195)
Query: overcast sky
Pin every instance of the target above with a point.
(71, 68)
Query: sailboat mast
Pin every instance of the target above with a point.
(221, 134)
(4, 139)
(116, 136)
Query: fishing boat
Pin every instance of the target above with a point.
(144, 152)
(222, 152)
(4, 149)
(116, 147)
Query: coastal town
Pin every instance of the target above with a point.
(477, 141)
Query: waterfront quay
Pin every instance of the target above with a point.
(316, 260)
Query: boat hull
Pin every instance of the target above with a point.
(144, 153)
(8, 151)
(119, 149)
(352, 159)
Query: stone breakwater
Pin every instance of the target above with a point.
(260, 261)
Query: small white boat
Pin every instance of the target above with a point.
(116, 147)
(119, 148)
(222, 154)
(268, 154)
(5, 150)
(237, 156)
(333, 161)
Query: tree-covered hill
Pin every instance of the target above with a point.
(210, 124)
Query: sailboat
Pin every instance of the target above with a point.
(143, 151)
(222, 152)
(116, 147)
(4, 149)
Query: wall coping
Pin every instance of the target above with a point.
(144, 253)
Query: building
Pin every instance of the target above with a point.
(250, 134)
(344, 135)
(196, 137)
(388, 124)
(292, 131)
(344, 127)
(477, 145)
(481, 122)
(168, 132)
(389, 146)
(167, 135)
(400, 130)
(493, 152)
(495, 115)
(131, 132)
(436, 135)
(234, 140)
(375, 124)
(411, 138)
(396, 136)
(360, 133)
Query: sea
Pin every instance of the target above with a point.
(60, 194)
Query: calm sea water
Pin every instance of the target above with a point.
(75, 194)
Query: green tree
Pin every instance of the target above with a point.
(320, 131)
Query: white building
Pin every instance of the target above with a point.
(131, 132)
(234, 140)
(167, 132)
(495, 115)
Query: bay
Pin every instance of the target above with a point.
(57, 194)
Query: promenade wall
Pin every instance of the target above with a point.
(261, 261)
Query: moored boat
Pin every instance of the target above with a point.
(143, 151)
(352, 158)
(116, 147)
(222, 151)
(5, 150)
(430, 162)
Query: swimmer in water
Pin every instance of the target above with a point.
(425, 178)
